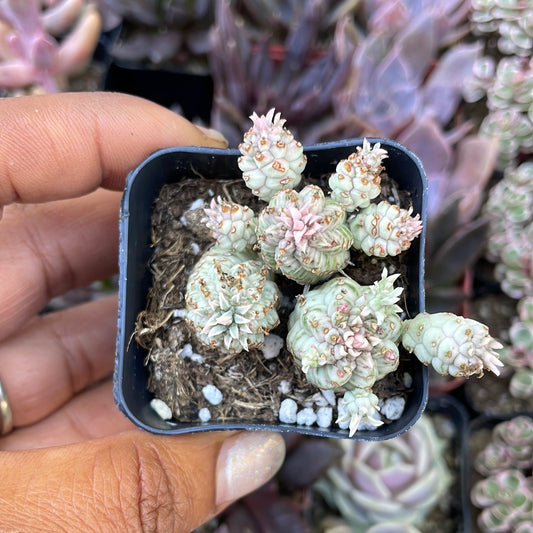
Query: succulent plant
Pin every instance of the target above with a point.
(384, 229)
(303, 235)
(396, 481)
(292, 71)
(272, 160)
(505, 495)
(32, 56)
(231, 302)
(509, 90)
(343, 335)
(452, 344)
(518, 356)
(232, 225)
(511, 20)
(162, 30)
(356, 179)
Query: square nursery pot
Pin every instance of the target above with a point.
(170, 166)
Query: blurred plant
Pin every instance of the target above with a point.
(396, 481)
(42, 43)
(162, 30)
(293, 72)
(510, 20)
(505, 495)
(508, 87)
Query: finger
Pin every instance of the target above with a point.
(134, 481)
(64, 145)
(92, 414)
(50, 248)
(55, 356)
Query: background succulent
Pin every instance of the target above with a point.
(399, 480)
(231, 303)
(505, 494)
(41, 45)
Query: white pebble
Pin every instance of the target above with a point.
(285, 386)
(179, 313)
(199, 202)
(393, 407)
(212, 394)
(161, 408)
(287, 411)
(341, 410)
(195, 248)
(186, 352)
(330, 396)
(407, 380)
(272, 346)
(204, 414)
(324, 416)
(306, 417)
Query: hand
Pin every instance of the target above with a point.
(73, 462)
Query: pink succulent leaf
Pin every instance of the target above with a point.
(16, 73)
(443, 89)
(61, 15)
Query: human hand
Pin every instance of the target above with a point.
(73, 461)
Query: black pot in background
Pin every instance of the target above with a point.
(190, 94)
(170, 165)
(457, 415)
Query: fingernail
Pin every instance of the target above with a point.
(245, 462)
(213, 134)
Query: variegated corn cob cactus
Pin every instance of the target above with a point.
(384, 229)
(232, 225)
(397, 481)
(303, 235)
(231, 302)
(357, 180)
(505, 495)
(272, 160)
(343, 335)
(452, 344)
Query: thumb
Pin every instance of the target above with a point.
(134, 481)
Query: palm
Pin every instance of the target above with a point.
(58, 366)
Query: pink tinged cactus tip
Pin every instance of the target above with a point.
(272, 160)
(452, 344)
(356, 180)
(384, 229)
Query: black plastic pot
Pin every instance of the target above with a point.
(457, 416)
(191, 93)
(170, 165)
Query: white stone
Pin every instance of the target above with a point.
(393, 407)
(407, 380)
(324, 416)
(186, 352)
(195, 248)
(212, 394)
(161, 408)
(306, 417)
(341, 411)
(330, 396)
(179, 313)
(204, 414)
(199, 202)
(287, 411)
(285, 386)
(272, 346)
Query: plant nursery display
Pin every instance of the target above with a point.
(301, 277)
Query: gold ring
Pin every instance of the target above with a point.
(6, 416)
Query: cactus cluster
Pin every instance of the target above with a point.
(396, 482)
(505, 494)
(344, 336)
